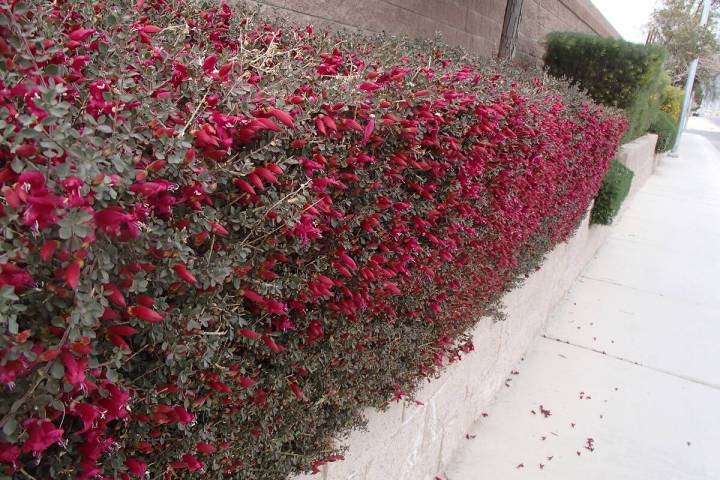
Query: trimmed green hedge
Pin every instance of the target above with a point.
(615, 187)
(666, 129)
(613, 72)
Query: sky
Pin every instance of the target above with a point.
(629, 17)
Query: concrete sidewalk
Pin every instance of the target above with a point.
(625, 382)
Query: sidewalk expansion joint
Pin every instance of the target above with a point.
(669, 296)
(633, 362)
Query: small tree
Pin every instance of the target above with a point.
(676, 26)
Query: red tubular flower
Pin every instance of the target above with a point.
(144, 313)
(246, 382)
(116, 403)
(314, 332)
(320, 125)
(122, 330)
(184, 273)
(115, 295)
(23, 336)
(391, 287)
(183, 416)
(329, 122)
(219, 229)
(136, 466)
(296, 391)
(145, 300)
(342, 270)
(245, 186)
(119, 342)
(298, 143)
(13, 198)
(88, 414)
(209, 63)
(192, 463)
(306, 230)
(48, 250)
(348, 261)
(144, 447)
(81, 34)
(220, 387)
(225, 69)
(251, 334)
(283, 117)
(150, 29)
(49, 354)
(9, 453)
(41, 435)
(148, 189)
(369, 86)
(277, 170)
(251, 295)
(274, 306)
(41, 210)
(26, 150)
(109, 314)
(72, 275)
(81, 346)
(156, 166)
(266, 175)
(113, 220)
(204, 447)
(265, 124)
(15, 276)
(74, 369)
(255, 180)
(272, 345)
(368, 130)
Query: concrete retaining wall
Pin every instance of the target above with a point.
(473, 24)
(409, 442)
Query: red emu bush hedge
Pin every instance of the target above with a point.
(221, 240)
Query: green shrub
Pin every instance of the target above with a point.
(671, 102)
(614, 189)
(613, 72)
(666, 129)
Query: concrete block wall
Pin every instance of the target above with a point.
(473, 24)
(633, 156)
(416, 442)
(543, 16)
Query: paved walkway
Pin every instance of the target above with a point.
(625, 383)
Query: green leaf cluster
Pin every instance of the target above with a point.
(666, 128)
(671, 103)
(614, 72)
(615, 187)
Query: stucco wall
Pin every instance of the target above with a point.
(415, 442)
(473, 24)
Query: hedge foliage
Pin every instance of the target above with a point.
(222, 239)
(614, 72)
(671, 103)
(615, 187)
(666, 129)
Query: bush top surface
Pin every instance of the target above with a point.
(221, 239)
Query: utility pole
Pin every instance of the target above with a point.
(508, 39)
(687, 100)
